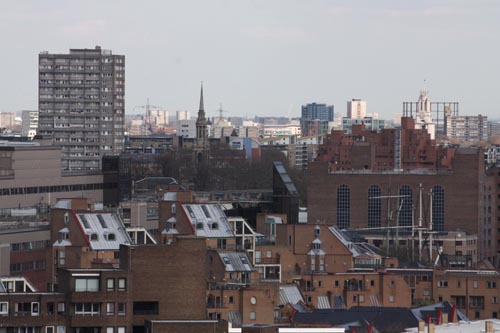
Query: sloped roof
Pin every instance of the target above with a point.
(323, 302)
(105, 231)
(385, 319)
(354, 244)
(234, 317)
(290, 294)
(236, 261)
(208, 220)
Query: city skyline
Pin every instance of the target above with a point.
(260, 58)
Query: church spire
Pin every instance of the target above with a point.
(201, 110)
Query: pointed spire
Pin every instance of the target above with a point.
(202, 106)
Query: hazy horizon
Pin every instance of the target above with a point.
(266, 57)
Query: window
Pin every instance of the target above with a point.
(231, 299)
(494, 299)
(438, 208)
(343, 206)
(35, 308)
(253, 315)
(121, 329)
(122, 284)
(221, 244)
(391, 298)
(146, 308)
(336, 283)
(121, 309)
(320, 283)
(4, 308)
(474, 283)
(476, 302)
(86, 284)
(87, 309)
(110, 309)
(49, 329)
(61, 329)
(442, 283)
(374, 206)
(406, 203)
(491, 284)
(110, 329)
(110, 284)
(60, 308)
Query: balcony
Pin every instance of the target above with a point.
(267, 261)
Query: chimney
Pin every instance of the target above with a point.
(431, 328)
(444, 318)
(421, 326)
(488, 326)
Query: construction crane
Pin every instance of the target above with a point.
(147, 114)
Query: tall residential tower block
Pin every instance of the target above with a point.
(82, 105)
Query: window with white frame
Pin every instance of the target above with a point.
(121, 329)
(253, 315)
(4, 308)
(110, 329)
(86, 284)
(122, 284)
(87, 309)
(110, 309)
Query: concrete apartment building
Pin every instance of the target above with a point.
(356, 108)
(467, 128)
(29, 123)
(82, 105)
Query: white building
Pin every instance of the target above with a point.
(424, 114)
(186, 128)
(29, 123)
(467, 128)
(356, 108)
(159, 118)
(183, 115)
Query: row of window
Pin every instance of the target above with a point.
(27, 266)
(475, 284)
(91, 284)
(29, 246)
(405, 206)
(57, 188)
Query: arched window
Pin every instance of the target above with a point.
(374, 206)
(437, 208)
(343, 206)
(406, 205)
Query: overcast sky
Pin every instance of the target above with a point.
(266, 57)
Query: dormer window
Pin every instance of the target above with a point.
(93, 237)
(215, 225)
(111, 237)
(199, 225)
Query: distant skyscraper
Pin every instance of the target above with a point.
(467, 128)
(356, 109)
(315, 118)
(183, 115)
(82, 105)
(7, 120)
